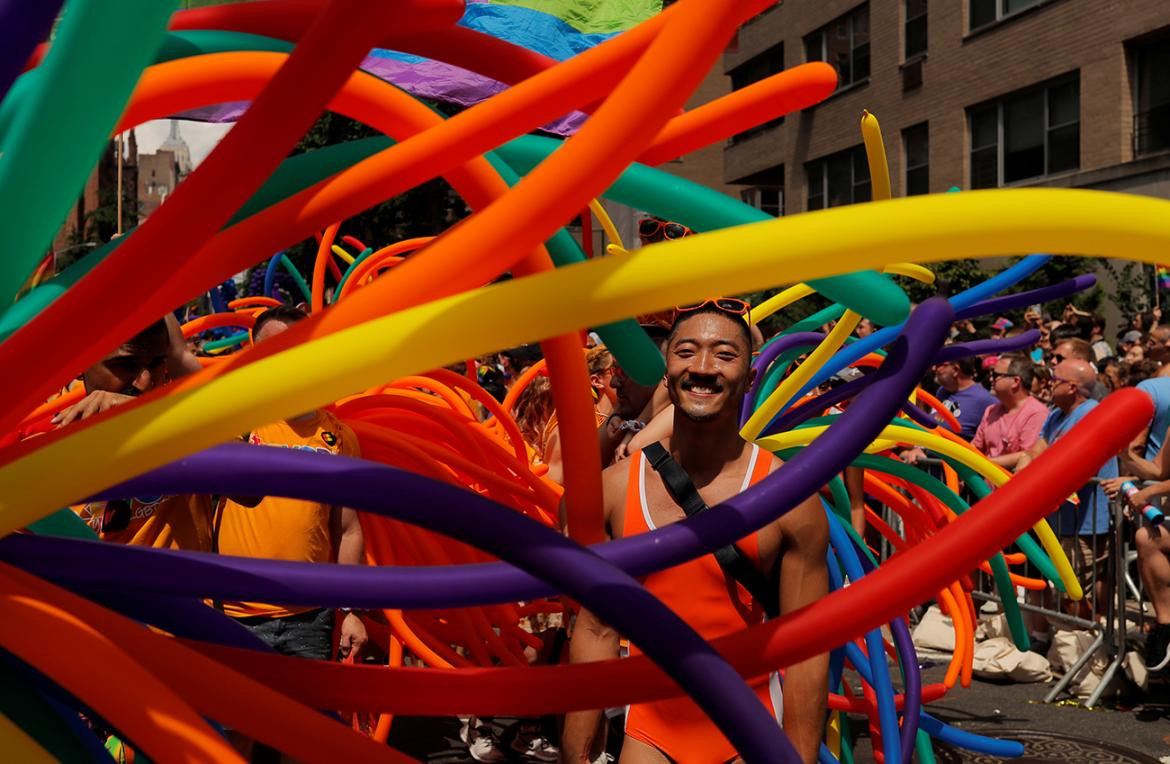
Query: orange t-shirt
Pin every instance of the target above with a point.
(162, 522)
(284, 529)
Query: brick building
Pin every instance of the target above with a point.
(94, 218)
(969, 93)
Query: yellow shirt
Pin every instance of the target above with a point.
(285, 529)
(162, 522)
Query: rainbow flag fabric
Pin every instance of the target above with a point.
(559, 29)
(1164, 276)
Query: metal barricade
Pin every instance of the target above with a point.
(1106, 553)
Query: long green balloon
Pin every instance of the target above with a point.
(704, 209)
(55, 139)
(175, 45)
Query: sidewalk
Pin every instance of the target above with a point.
(1119, 729)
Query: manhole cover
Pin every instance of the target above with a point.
(1046, 747)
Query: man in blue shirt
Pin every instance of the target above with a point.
(962, 395)
(1082, 527)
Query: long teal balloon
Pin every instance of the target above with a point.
(55, 139)
(703, 209)
(175, 45)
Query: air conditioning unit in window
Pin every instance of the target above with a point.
(912, 74)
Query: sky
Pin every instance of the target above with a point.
(201, 137)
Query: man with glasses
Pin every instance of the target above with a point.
(708, 371)
(1011, 426)
(1082, 526)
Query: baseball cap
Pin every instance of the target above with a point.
(1133, 335)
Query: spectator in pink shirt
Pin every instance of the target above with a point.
(1010, 427)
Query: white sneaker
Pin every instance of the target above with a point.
(482, 743)
(530, 744)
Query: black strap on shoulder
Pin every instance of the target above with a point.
(680, 487)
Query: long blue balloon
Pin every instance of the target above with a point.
(1002, 280)
(883, 688)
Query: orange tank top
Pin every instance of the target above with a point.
(714, 605)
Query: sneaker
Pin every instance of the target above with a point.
(1157, 652)
(532, 745)
(482, 743)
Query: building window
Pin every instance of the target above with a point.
(1026, 134)
(984, 12)
(841, 178)
(752, 71)
(844, 43)
(915, 28)
(1151, 129)
(769, 199)
(916, 148)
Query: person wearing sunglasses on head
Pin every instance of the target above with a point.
(1082, 526)
(703, 463)
(1080, 350)
(652, 230)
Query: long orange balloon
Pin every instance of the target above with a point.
(46, 636)
(324, 259)
(596, 69)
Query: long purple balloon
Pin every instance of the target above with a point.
(370, 488)
(1031, 297)
(181, 616)
(765, 359)
(606, 590)
(988, 347)
(23, 25)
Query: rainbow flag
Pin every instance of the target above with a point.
(559, 29)
(1163, 276)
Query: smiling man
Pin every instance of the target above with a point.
(708, 370)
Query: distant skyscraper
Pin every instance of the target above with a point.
(177, 146)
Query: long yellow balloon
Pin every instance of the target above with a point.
(611, 231)
(779, 302)
(793, 294)
(893, 434)
(347, 257)
(875, 153)
(16, 745)
(808, 246)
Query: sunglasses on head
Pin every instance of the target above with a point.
(732, 305)
(650, 227)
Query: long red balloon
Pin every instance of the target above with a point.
(901, 583)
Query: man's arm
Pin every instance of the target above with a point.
(349, 548)
(1025, 458)
(1133, 461)
(803, 580)
(592, 640)
(180, 360)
